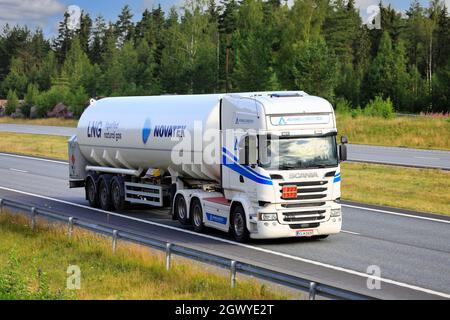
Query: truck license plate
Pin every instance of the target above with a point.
(305, 233)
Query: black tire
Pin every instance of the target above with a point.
(118, 194)
(181, 210)
(238, 225)
(104, 193)
(91, 192)
(196, 215)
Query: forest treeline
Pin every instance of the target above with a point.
(319, 46)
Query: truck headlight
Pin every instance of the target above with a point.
(335, 212)
(268, 216)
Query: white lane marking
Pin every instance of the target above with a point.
(427, 158)
(18, 170)
(397, 213)
(32, 158)
(284, 255)
(351, 232)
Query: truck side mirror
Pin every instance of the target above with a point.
(344, 139)
(342, 152)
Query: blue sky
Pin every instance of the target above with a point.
(47, 13)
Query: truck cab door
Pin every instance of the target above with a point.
(241, 173)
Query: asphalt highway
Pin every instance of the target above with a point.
(411, 250)
(359, 153)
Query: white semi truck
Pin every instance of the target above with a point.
(259, 165)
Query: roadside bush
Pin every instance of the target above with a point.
(356, 112)
(13, 102)
(47, 100)
(30, 99)
(77, 100)
(380, 108)
(343, 106)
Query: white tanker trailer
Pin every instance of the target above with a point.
(260, 165)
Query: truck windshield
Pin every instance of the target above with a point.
(299, 153)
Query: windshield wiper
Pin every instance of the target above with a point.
(288, 167)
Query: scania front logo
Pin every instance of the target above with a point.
(302, 175)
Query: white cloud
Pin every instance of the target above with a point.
(30, 12)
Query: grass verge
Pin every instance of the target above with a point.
(415, 189)
(33, 265)
(42, 122)
(408, 188)
(414, 132)
(35, 145)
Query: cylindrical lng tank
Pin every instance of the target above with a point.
(139, 133)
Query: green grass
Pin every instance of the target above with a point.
(43, 122)
(415, 189)
(133, 272)
(423, 132)
(35, 145)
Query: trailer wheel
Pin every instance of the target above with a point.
(104, 193)
(181, 209)
(91, 192)
(117, 193)
(239, 225)
(197, 215)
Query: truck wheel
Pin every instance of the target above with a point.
(91, 192)
(181, 209)
(104, 193)
(197, 216)
(239, 225)
(118, 194)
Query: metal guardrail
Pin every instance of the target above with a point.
(314, 288)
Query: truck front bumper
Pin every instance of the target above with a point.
(274, 229)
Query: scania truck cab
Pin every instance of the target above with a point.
(267, 165)
(280, 169)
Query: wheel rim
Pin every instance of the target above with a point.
(238, 224)
(103, 194)
(91, 191)
(181, 206)
(116, 196)
(197, 216)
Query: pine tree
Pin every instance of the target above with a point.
(63, 41)
(227, 28)
(380, 78)
(85, 32)
(124, 26)
(253, 70)
(47, 72)
(400, 96)
(98, 36)
(314, 68)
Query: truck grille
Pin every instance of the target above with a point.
(309, 190)
(304, 216)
